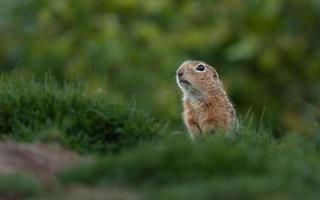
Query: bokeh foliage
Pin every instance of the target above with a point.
(267, 52)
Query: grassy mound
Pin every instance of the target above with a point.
(249, 166)
(43, 111)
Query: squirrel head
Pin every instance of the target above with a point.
(197, 79)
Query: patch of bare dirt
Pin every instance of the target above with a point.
(41, 160)
(44, 161)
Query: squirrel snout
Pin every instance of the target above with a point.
(179, 73)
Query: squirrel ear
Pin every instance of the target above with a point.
(215, 74)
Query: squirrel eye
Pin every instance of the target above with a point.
(200, 68)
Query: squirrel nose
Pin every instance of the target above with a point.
(179, 73)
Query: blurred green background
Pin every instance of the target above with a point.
(267, 52)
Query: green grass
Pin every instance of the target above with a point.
(43, 111)
(16, 186)
(250, 166)
(246, 164)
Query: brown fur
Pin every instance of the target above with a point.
(206, 105)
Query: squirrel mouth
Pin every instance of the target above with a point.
(184, 81)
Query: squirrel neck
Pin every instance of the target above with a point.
(212, 94)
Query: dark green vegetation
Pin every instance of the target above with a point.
(17, 186)
(250, 166)
(131, 49)
(142, 158)
(41, 111)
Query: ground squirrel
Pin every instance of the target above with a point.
(207, 107)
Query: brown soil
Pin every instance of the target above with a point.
(41, 160)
